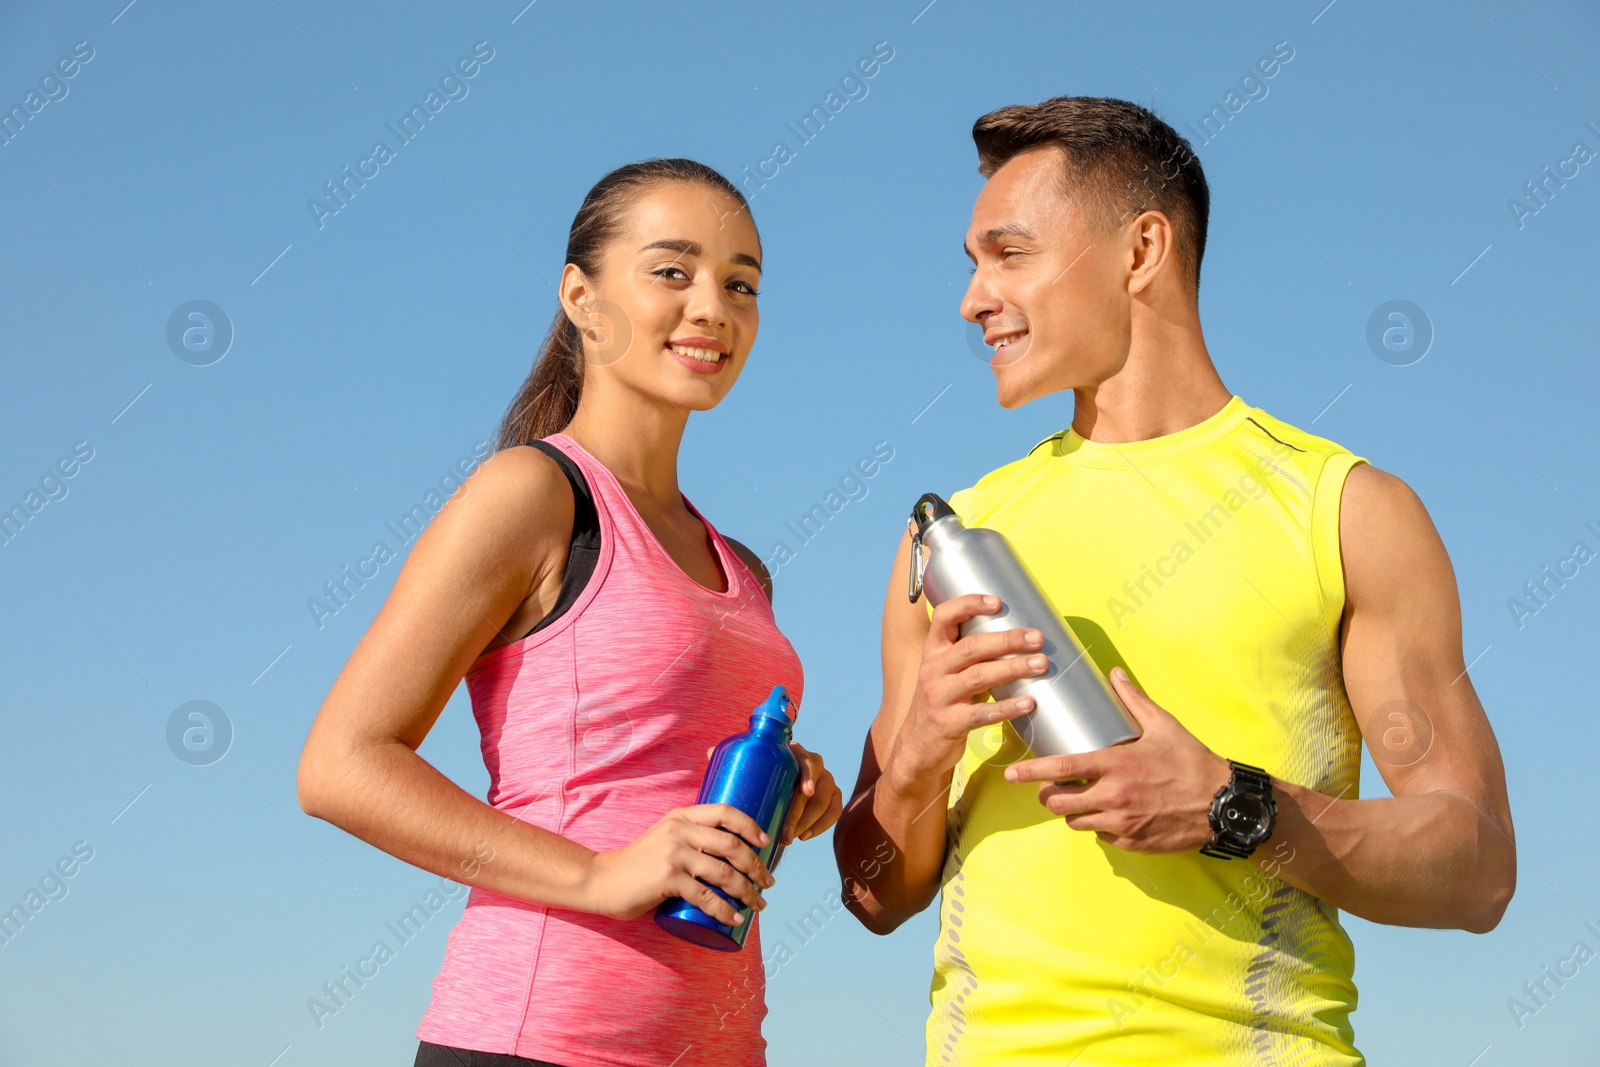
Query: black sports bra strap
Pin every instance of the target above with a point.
(584, 551)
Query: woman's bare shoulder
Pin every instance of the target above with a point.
(510, 514)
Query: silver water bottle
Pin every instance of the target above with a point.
(1075, 709)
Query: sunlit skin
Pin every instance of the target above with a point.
(685, 269)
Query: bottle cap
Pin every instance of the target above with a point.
(778, 705)
(929, 509)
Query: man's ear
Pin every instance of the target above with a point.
(1152, 247)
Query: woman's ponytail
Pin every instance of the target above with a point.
(549, 396)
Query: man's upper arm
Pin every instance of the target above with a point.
(1403, 666)
(905, 630)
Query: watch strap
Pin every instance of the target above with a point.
(1248, 779)
(1225, 850)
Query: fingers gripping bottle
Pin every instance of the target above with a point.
(755, 772)
(1075, 708)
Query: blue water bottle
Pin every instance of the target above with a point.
(755, 772)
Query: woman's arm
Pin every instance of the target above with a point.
(488, 549)
(502, 536)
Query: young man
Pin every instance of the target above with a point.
(1275, 600)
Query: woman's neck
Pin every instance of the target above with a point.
(636, 439)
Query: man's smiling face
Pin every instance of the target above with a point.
(1051, 299)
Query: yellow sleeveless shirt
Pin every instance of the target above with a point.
(1205, 563)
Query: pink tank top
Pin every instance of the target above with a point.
(593, 728)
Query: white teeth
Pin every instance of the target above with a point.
(704, 355)
(1004, 341)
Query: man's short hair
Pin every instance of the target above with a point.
(1119, 159)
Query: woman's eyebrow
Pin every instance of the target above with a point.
(675, 244)
(686, 247)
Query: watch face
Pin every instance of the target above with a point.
(1245, 818)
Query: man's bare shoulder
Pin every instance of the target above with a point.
(1387, 539)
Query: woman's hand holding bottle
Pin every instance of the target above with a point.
(686, 852)
(817, 802)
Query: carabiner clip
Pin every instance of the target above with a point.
(914, 588)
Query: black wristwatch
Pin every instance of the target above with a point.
(1242, 813)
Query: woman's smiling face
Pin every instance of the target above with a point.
(673, 312)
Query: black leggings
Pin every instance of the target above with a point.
(431, 1055)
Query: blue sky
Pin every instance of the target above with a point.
(375, 347)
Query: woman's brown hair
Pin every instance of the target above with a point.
(549, 397)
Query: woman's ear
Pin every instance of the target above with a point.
(605, 330)
(576, 294)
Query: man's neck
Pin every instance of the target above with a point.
(1168, 383)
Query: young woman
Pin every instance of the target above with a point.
(609, 637)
